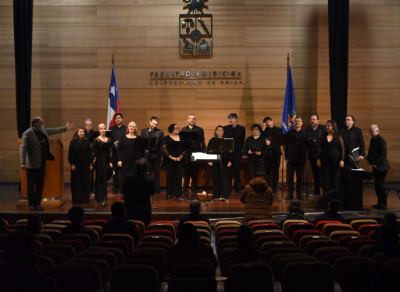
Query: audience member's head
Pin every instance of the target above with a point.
(3, 227)
(20, 249)
(187, 236)
(295, 207)
(245, 235)
(388, 237)
(334, 205)
(76, 215)
(34, 225)
(261, 174)
(141, 165)
(390, 218)
(118, 210)
(195, 207)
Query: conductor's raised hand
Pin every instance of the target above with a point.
(69, 126)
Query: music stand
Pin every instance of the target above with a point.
(189, 136)
(180, 146)
(104, 150)
(286, 140)
(220, 146)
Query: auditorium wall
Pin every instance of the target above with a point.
(73, 42)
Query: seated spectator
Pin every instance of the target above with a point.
(257, 197)
(77, 217)
(388, 241)
(19, 273)
(189, 247)
(331, 213)
(296, 212)
(120, 224)
(388, 219)
(34, 225)
(138, 187)
(195, 207)
(3, 227)
(246, 252)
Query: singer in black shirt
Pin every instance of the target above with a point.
(118, 131)
(198, 146)
(295, 158)
(153, 155)
(238, 133)
(353, 138)
(255, 148)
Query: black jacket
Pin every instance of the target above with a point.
(294, 153)
(258, 143)
(377, 153)
(275, 150)
(199, 145)
(118, 133)
(238, 134)
(138, 188)
(155, 153)
(356, 140)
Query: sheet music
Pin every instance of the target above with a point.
(203, 156)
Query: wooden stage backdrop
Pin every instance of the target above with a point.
(73, 42)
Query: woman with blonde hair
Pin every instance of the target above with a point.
(126, 157)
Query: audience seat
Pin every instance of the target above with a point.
(320, 225)
(97, 229)
(354, 246)
(224, 232)
(222, 256)
(331, 227)
(204, 233)
(107, 256)
(43, 238)
(291, 228)
(57, 256)
(200, 225)
(174, 224)
(128, 239)
(321, 252)
(267, 246)
(367, 228)
(306, 238)
(225, 227)
(205, 240)
(310, 276)
(287, 222)
(149, 244)
(345, 240)
(161, 226)
(265, 226)
(277, 257)
(82, 237)
(359, 275)
(44, 262)
(283, 262)
(163, 232)
(387, 280)
(54, 226)
(313, 245)
(120, 244)
(298, 234)
(147, 262)
(336, 235)
(77, 245)
(102, 265)
(263, 239)
(93, 272)
(226, 222)
(98, 222)
(254, 276)
(261, 233)
(68, 251)
(355, 224)
(144, 254)
(158, 238)
(115, 251)
(20, 221)
(225, 239)
(332, 257)
(70, 279)
(61, 222)
(252, 222)
(364, 250)
(21, 226)
(395, 263)
(159, 250)
(340, 267)
(134, 278)
(385, 256)
(280, 250)
(53, 233)
(141, 226)
(225, 246)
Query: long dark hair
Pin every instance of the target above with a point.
(335, 131)
(75, 137)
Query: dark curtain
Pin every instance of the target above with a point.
(338, 13)
(23, 16)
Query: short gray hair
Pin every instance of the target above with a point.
(192, 115)
(89, 121)
(376, 127)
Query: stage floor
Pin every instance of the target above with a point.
(169, 210)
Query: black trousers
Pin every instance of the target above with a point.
(190, 168)
(221, 185)
(236, 163)
(153, 169)
(254, 167)
(298, 168)
(272, 164)
(317, 174)
(330, 175)
(35, 177)
(174, 179)
(379, 180)
(116, 168)
(100, 186)
(91, 180)
(80, 185)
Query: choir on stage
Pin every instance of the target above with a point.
(97, 156)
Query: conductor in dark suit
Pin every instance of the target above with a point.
(238, 133)
(35, 150)
(138, 187)
(353, 138)
(377, 157)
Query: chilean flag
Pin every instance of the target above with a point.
(113, 102)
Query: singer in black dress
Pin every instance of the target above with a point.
(126, 157)
(81, 165)
(331, 157)
(255, 159)
(173, 165)
(220, 175)
(102, 163)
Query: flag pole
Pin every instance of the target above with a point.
(288, 61)
(285, 187)
(112, 60)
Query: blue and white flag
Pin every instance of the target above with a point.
(289, 108)
(113, 101)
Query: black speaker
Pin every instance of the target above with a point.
(323, 200)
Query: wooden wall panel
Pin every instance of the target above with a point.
(73, 41)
